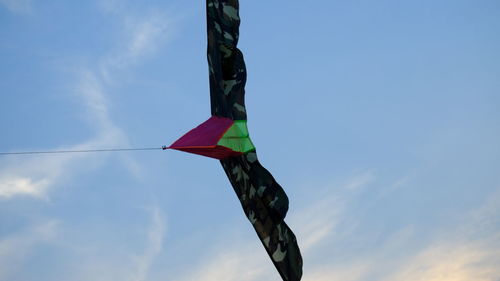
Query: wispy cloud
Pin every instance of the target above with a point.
(14, 248)
(453, 261)
(18, 6)
(15, 185)
(234, 262)
(318, 220)
(104, 260)
(468, 250)
(314, 224)
(34, 176)
(145, 35)
(30, 178)
(154, 246)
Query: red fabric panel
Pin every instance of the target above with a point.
(217, 152)
(207, 134)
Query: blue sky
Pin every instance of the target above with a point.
(380, 119)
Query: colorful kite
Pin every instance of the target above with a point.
(225, 136)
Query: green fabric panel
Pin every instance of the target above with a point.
(237, 130)
(242, 145)
(237, 137)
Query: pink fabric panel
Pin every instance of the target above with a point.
(217, 152)
(206, 134)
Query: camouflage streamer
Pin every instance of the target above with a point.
(262, 198)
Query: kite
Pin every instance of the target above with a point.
(224, 136)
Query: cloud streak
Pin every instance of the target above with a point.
(314, 225)
(15, 248)
(35, 176)
(455, 260)
(108, 260)
(465, 251)
(319, 219)
(154, 246)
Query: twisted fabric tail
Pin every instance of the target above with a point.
(265, 205)
(262, 198)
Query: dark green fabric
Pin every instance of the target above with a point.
(226, 65)
(265, 204)
(262, 198)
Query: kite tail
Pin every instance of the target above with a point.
(265, 205)
(227, 70)
(262, 198)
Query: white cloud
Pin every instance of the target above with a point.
(314, 225)
(34, 176)
(361, 180)
(10, 186)
(318, 220)
(144, 35)
(235, 262)
(453, 261)
(18, 6)
(466, 251)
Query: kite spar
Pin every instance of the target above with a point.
(224, 136)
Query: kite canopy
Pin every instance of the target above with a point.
(218, 137)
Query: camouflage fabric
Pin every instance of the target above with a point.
(262, 198)
(265, 205)
(226, 65)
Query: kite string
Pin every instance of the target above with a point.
(82, 150)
